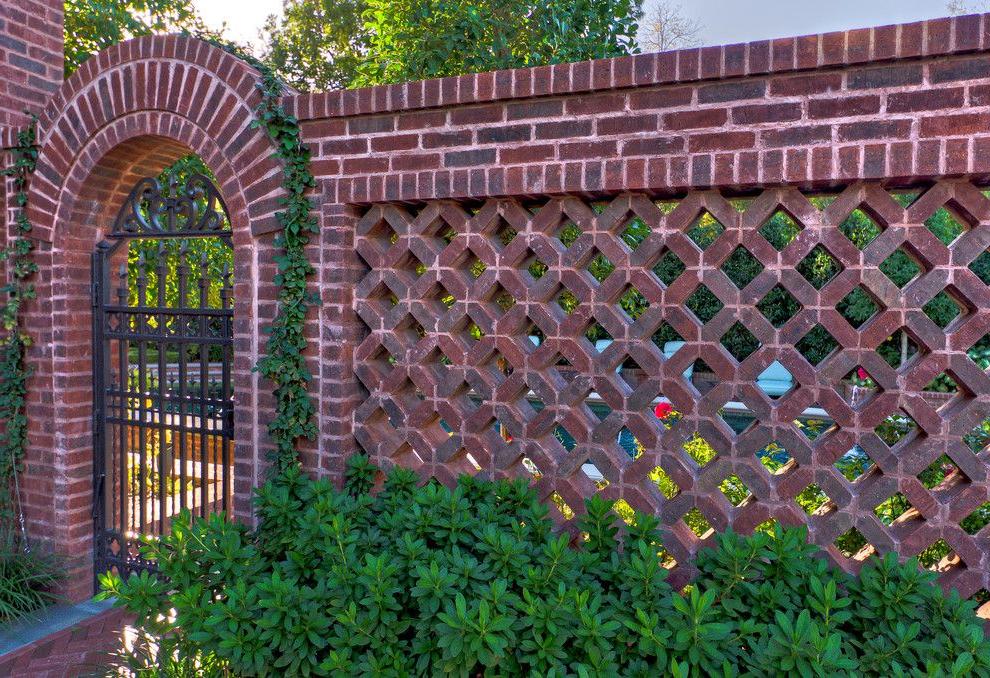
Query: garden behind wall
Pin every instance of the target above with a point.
(726, 285)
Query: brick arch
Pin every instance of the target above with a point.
(127, 114)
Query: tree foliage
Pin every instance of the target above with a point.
(413, 39)
(317, 44)
(329, 44)
(94, 25)
(665, 27)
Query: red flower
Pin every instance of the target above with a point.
(861, 373)
(663, 410)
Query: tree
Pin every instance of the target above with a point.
(413, 39)
(317, 44)
(94, 25)
(962, 7)
(666, 28)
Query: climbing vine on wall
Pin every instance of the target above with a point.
(15, 340)
(285, 363)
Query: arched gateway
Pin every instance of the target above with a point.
(162, 357)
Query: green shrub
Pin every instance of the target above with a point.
(475, 581)
(27, 580)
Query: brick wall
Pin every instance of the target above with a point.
(856, 113)
(30, 56)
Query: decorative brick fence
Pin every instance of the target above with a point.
(519, 269)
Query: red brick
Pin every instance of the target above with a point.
(628, 124)
(759, 113)
(721, 141)
(925, 100)
(844, 106)
(955, 125)
(712, 117)
(797, 136)
(874, 129)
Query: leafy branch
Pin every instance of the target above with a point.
(285, 361)
(14, 373)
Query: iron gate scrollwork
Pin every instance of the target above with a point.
(163, 344)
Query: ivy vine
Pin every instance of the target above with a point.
(285, 363)
(14, 372)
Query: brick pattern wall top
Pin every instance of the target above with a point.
(937, 37)
(899, 121)
(30, 58)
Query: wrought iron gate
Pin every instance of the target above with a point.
(162, 333)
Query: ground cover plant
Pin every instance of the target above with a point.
(426, 580)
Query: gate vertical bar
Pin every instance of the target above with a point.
(100, 285)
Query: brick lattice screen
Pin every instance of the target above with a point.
(541, 337)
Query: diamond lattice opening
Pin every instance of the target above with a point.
(567, 301)
(567, 233)
(667, 339)
(564, 437)
(739, 341)
(778, 306)
(976, 520)
(566, 511)
(943, 309)
(854, 464)
(901, 267)
(780, 229)
(669, 268)
(939, 557)
(852, 544)
(860, 228)
(705, 230)
(858, 387)
(814, 501)
(775, 459)
(474, 266)
(633, 303)
(981, 598)
(943, 383)
(702, 376)
(899, 349)
(978, 437)
(699, 449)
(506, 234)
(696, 520)
(503, 301)
(668, 488)
(704, 304)
(819, 267)
(981, 267)
(892, 508)
(941, 474)
(895, 428)
(600, 267)
(741, 267)
(473, 332)
(536, 267)
(858, 307)
(815, 427)
(979, 352)
(599, 337)
(734, 489)
(635, 232)
(817, 345)
(945, 225)
(776, 380)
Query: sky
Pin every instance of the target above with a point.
(724, 21)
